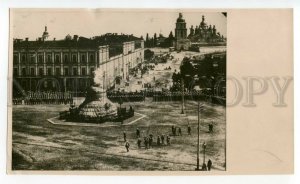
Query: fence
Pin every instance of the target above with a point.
(194, 96)
(32, 98)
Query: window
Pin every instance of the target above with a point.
(23, 58)
(32, 58)
(23, 71)
(41, 71)
(82, 58)
(83, 71)
(66, 71)
(57, 59)
(57, 71)
(16, 59)
(74, 59)
(40, 58)
(49, 71)
(49, 58)
(66, 59)
(92, 59)
(74, 71)
(15, 72)
(92, 70)
(32, 71)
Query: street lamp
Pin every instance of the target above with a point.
(200, 107)
(182, 94)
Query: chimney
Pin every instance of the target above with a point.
(26, 39)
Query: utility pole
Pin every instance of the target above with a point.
(182, 95)
(200, 107)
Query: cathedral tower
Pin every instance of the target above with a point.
(180, 30)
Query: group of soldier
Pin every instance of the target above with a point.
(148, 140)
(162, 140)
(46, 97)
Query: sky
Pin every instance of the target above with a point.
(94, 22)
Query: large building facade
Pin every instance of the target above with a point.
(68, 65)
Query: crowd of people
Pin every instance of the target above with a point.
(151, 141)
(45, 97)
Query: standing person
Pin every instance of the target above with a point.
(137, 132)
(150, 140)
(210, 127)
(139, 141)
(124, 136)
(179, 131)
(158, 140)
(168, 140)
(204, 168)
(209, 164)
(189, 130)
(173, 130)
(162, 139)
(127, 146)
(146, 141)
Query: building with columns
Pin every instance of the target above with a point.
(68, 64)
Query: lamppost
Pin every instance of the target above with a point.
(200, 107)
(182, 95)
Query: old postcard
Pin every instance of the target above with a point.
(112, 91)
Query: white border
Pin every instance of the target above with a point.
(4, 35)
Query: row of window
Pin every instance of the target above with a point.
(66, 71)
(57, 58)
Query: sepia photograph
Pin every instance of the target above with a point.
(118, 90)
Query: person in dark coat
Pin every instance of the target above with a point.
(168, 140)
(150, 140)
(146, 142)
(179, 131)
(204, 168)
(162, 137)
(139, 141)
(124, 135)
(189, 130)
(209, 164)
(158, 140)
(210, 127)
(173, 130)
(137, 132)
(127, 146)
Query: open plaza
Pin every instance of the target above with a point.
(41, 141)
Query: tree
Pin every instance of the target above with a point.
(187, 68)
(155, 40)
(171, 35)
(187, 71)
(148, 54)
(147, 40)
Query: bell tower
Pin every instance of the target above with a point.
(180, 30)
